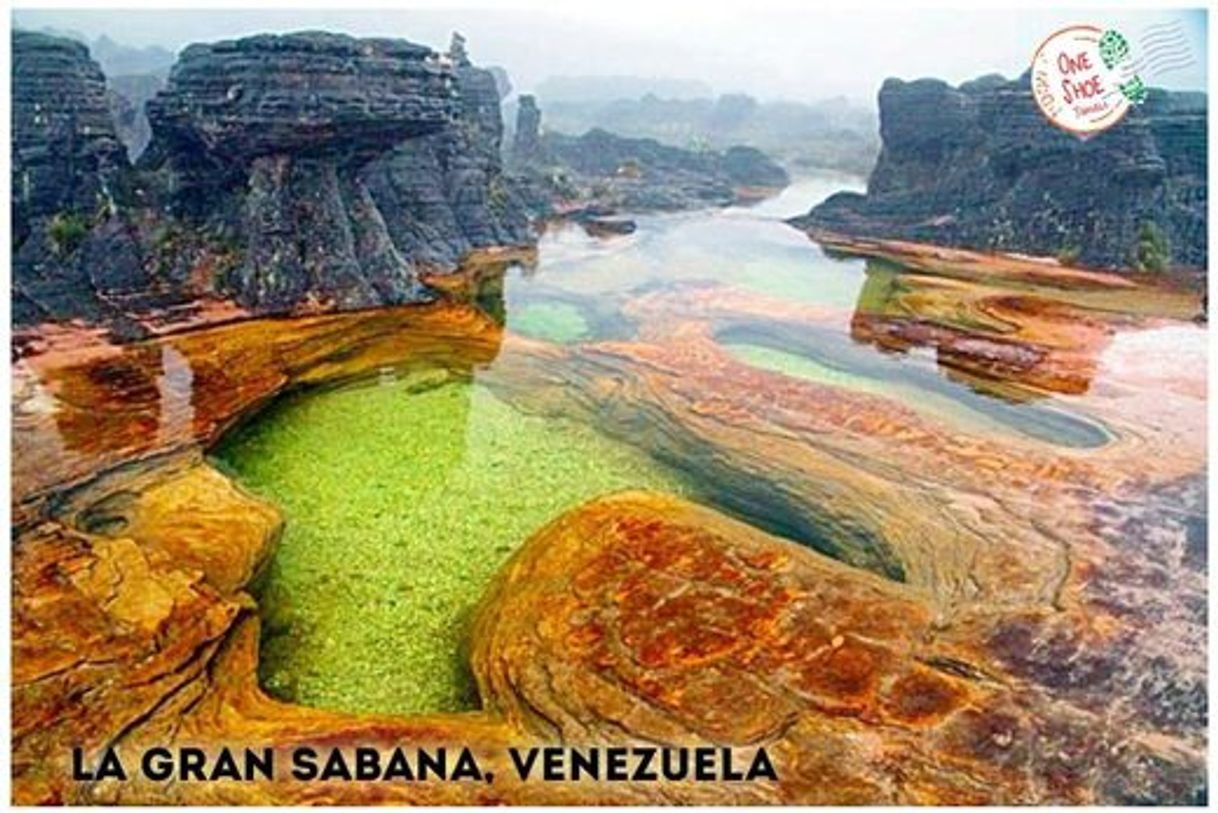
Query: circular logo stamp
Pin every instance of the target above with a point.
(1082, 79)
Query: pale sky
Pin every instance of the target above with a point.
(771, 53)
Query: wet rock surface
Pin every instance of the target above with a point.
(1038, 640)
(968, 617)
(978, 166)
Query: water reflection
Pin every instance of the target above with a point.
(997, 342)
(110, 405)
(960, 341)
(823, 357)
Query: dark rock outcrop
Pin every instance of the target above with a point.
(316, 94)
(445, 194)
(526, 143)
(73, 253)
(605, 171)
(978, 166)
(262, 139)
(307, 171)
(643, 174)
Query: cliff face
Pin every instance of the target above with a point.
(72, 253)
(305, 171)
(979, 167)
(526, 141)
(354, 162)
(446, 193)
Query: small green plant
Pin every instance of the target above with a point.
(1152, 252)
(67, 231)
(498, 195)
(1068, 255)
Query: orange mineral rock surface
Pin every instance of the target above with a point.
(972, 616)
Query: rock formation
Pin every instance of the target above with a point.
(72, 250)
(445, 194)
(526, 143)
(264, 139)
(1041, 642)
(606, 171)
(307, 171)
(978, 166)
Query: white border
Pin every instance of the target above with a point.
(806, 10)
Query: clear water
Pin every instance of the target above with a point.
(745, 247)
(401, 500)
(403, 497)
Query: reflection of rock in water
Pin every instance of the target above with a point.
(1004, 342)
(177, 387)
(1047, 646)
(110, 405)
(118, 402)
(825, 356)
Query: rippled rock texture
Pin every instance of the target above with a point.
(313, 93)
(968, 617)
(295, 173)
(978, 166)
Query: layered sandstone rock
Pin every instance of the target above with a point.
(300, 172)
(275, 138)
(311, 94)
(73, 251)
(446, 194)
(979, 166)
(1037, 641)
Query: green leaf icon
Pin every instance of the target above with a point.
(1134, 90)
(1113, 49)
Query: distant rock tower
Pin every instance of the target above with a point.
(456, 50)
(527, 143)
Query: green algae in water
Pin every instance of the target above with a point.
(559, 322)
(401, 506)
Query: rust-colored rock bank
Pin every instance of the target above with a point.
(998, 619)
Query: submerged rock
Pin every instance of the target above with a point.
(992, 664)
(978, 166)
